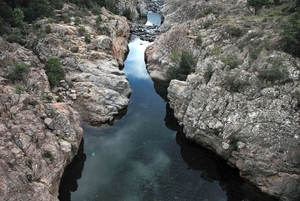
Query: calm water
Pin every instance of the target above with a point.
(139, 158)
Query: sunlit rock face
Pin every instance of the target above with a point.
(234, 109)
(92, 65)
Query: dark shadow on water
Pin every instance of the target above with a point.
(213, 167)
(71, 174)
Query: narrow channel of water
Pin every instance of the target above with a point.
(140, 159)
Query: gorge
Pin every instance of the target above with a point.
(218, 118)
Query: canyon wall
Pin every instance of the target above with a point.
(242, 98)
(41, 126)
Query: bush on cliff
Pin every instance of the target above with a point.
(257, 4)
(290, 35)
(54, 71)
(186, 65)
(277, 72)
(18, 71)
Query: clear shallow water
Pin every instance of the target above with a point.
(140, 159)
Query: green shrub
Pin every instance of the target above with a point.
(257, 4)
(290, 35)
(207, 24)
(50, 20)
(18, 17)
(215, 51)
(65, 17)
(277, 72)
(56, 3)
(49, 155)
(208, 73)
(59, 98)
(98, 19)
(231, 61)
(54, 71)
(77, 20)
(233, 84)
(18, 71)
(254, 53)
(87, 38)
(48, 29)
(33, 102)
(199, 40)
(19, 89)
(234, 31)
(16, 35)
(233, 143)
(205, 12)
(81, 30)
(96, 10)
(47, 97)
(102, 30)
(128, 13)
(186, 65)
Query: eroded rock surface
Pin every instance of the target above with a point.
(40, 128)
(92, 54)
(236, 110)
(37, 138)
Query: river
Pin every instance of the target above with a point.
(140, 158)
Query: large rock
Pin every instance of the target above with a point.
(237, 110)
(92, 65)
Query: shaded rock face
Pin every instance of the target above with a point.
(237, 110)
(37, 139)
(92, 64)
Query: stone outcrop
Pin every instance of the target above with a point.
(38, 138)
(92, 53)
(242, 111)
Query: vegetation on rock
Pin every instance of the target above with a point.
(186, 64)
(54, 71)
(18, 71)
(257, 4)
(290, 39)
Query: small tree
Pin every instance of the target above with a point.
(187, 64)
(54, 71)
(18, 17)
(257, 4)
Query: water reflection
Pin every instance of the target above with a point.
(72, 174)
(153, 19)
(138, 158)
(135, 66)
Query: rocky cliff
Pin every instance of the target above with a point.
(38, 137)
(40, 127)
(242, 99)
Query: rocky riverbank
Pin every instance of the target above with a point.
(41, 127)
(229, 104)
